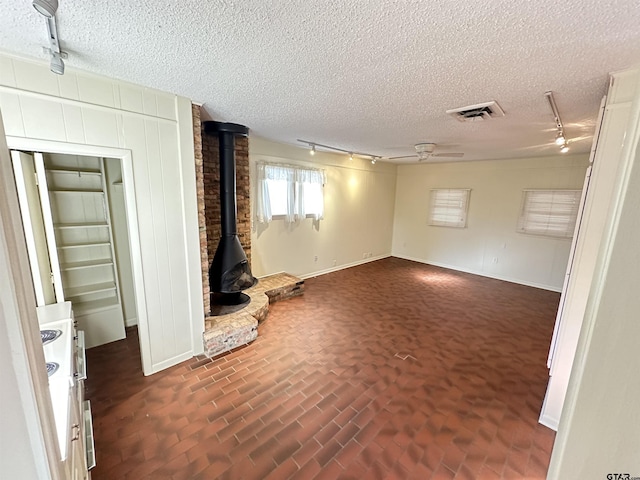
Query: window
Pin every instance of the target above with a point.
(549, 212)
(277, 196)
(310, 198)
(449, 207)
(289, 191)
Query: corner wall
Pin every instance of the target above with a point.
(489, 245)
(359, 203)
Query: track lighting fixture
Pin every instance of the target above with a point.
(561, 140)
(46, 7)
(313, 145)
(56, 65)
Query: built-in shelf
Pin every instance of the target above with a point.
(81, 225)
(76, 190)
(67, 217)
(84, 245)
(86, 264)
(93, 306)
(74, 292)
(75, 171)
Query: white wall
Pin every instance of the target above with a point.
(495, 201)
(16, 453)
(359, 205)
(28, 442)
(152, 132)
(599, 430)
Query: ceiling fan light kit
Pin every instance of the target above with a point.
(426, 151)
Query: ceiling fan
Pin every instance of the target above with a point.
(425, 151)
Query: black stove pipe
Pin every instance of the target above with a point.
(228, 206)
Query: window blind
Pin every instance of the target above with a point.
(549, 212)
(449, 207)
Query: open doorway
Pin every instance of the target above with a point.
(76, 215)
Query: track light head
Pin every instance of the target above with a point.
(373, 160)
(313, 149)
(564, 148)
(47, 8)
(56, 65)
(560, 139)
(350, 155)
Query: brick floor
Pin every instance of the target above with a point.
(392, 369)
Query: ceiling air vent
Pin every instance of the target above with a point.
(476, 113)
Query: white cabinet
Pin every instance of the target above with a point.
(70, 231)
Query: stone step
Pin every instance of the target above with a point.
(226, 332)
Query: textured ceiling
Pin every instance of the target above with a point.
(366, 75)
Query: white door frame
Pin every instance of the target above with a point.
(126, 159)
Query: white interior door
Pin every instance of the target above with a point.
(47, 218)
(33, 223)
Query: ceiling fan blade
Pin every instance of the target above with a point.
(404, 156)
(452, 155)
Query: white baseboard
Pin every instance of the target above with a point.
(131, 322)
(342, 267)
(482, 274)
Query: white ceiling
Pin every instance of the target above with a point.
(374, 76)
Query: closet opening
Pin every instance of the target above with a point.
(74, 213)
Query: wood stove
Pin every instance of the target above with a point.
(229, 272)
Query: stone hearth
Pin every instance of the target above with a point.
(226, 332)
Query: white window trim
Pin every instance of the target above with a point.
(541, 223)
(457, 217)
